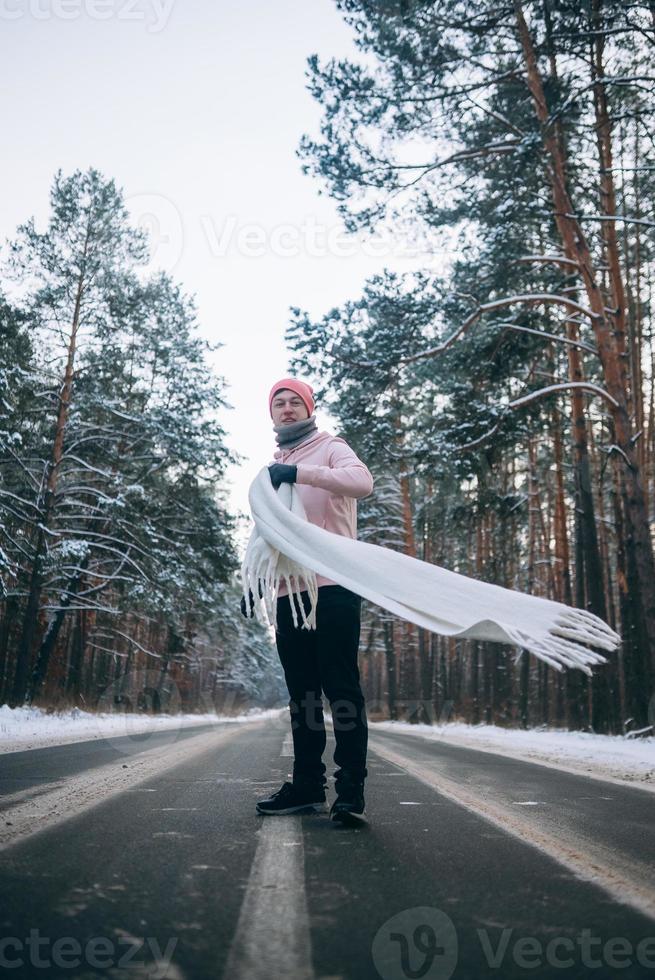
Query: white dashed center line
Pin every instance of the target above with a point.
(272, 937)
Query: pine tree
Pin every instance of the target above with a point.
(516, 120)
(120, 555)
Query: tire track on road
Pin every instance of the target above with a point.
(83, 791)
(623, 879)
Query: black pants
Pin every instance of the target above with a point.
(324, 659)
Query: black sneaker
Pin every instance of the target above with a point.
(298, 797)
(348, 808)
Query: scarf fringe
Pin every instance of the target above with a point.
(558, 649)
(580, 624)
(262, 571)
(557, 634)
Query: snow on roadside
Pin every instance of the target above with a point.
(612, 757)
(32, 728)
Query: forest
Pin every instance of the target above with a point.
(502, 395)
(118, 562)
(505, 401)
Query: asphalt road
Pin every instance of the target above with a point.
(471, 866)
(21, 771)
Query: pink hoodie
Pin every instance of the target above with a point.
(330, 478)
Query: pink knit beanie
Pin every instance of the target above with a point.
(301, 388)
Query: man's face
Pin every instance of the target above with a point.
(288, 407)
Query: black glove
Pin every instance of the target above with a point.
(280, 473)
(251, 600)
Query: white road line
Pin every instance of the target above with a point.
(616, 874)
(272, 937)
(577, 767)
(287, 747)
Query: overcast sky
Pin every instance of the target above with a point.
(195, 108)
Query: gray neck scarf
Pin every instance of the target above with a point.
(290, 435)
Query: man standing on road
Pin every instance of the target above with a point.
(329, 477)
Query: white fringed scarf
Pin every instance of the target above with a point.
(285, 546)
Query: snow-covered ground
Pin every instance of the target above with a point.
(612, 757)
(32, 728)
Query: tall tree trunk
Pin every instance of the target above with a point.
(564, 591)
(30, 620)
(409, 670)
(524, 679)
(78, 646)
(10, 613)
(609, 343)
(52, 633)
(390, 661)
